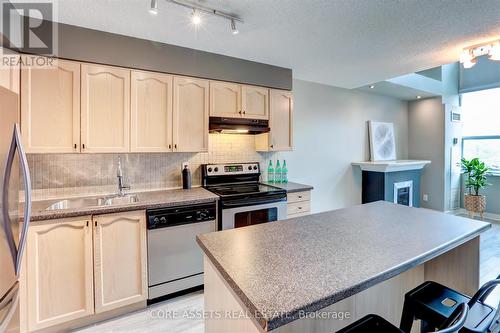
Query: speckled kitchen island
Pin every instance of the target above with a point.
(320, 272)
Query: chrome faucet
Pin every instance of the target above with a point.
(119, 175)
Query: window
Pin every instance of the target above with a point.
(481, 127)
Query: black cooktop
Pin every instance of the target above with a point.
(229, 190)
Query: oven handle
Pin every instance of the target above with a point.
(249, 202)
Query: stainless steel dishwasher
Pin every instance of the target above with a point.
(175, 261)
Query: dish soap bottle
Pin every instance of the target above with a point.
(284, 173)
(270, 172)
(277, 172)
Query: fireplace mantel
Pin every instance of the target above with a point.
(392, 166)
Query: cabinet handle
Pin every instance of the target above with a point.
(87, 223)
(272, 146)
(75, 145)
(240, 112)
(175, 146)
(95, 223)
(299, 207)
(300, 197)
(83, 146)
(169, 146)
(244, 112)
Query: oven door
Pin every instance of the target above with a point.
(243, 216)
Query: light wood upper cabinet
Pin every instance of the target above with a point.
(225, 99)
(255, 102)
(50, 108)
(151, 112)
(120, 256)
(105, 109)
(9, 75)
(190, 114)
(280, 138)
(59, 272)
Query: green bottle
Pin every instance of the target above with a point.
(284, 173)
(277, 172)
(270, 172)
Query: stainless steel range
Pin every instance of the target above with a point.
(243, 200)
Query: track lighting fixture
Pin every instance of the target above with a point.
(154, 7)
(234, 30)
(469, 55)
(197, 10)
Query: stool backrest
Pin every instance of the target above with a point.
(456, 321)
(484, 291)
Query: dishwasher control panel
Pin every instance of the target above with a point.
(173, 216)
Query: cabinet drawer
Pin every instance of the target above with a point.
(298, 214)
(298, 196)
(299, 207)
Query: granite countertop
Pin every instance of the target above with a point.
(310, 262)
(152, 199)
(291, 186)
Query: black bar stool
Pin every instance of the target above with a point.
(433, 303)
(376, 324)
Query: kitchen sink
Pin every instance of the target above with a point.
(94, 202)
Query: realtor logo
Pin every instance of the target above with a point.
(28, 27)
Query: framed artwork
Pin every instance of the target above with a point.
(382, 141)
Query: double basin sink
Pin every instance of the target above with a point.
(94, 202)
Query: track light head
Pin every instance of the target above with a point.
(234, 30)
(154, 7)
(195, 17)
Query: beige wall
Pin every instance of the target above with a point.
(330, 132)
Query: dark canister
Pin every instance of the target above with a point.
(186, 178)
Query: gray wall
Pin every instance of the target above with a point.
(426, 135)
(330, 132)
(484, 75)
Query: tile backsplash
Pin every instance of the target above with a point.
(66, 175)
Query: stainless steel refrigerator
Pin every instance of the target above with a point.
(14, 172)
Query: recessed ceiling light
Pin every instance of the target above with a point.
(234, 30)
(196, 18)
(154, 7)
(372, 86)
(419, 97)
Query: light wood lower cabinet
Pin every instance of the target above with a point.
(120, 256)
(298, 204)
(59, 272)
(81, 270)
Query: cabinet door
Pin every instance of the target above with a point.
(151, 112)
(225, 99)
(281, 120)
(190, 114)
(105, 109)
(9, 75)
(120, 260)
(50, 108)
(255, 102)
(59, 272)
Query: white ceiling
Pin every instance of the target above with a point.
(345, 43)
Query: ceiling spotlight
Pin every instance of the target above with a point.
(419, 97)
(154, 7)
(372, 86)
(234, 30)
(195, 17)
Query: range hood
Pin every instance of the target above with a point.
(238, 125)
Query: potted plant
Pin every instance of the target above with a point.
(476, 171)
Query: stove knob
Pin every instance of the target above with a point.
(163, 219)
(156, 220)
(216, 169)
(209, 169)
(255, 167)
(249, 167)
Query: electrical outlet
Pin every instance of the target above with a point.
(184, 164)
(425, 197)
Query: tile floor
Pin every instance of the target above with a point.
(183, 312)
